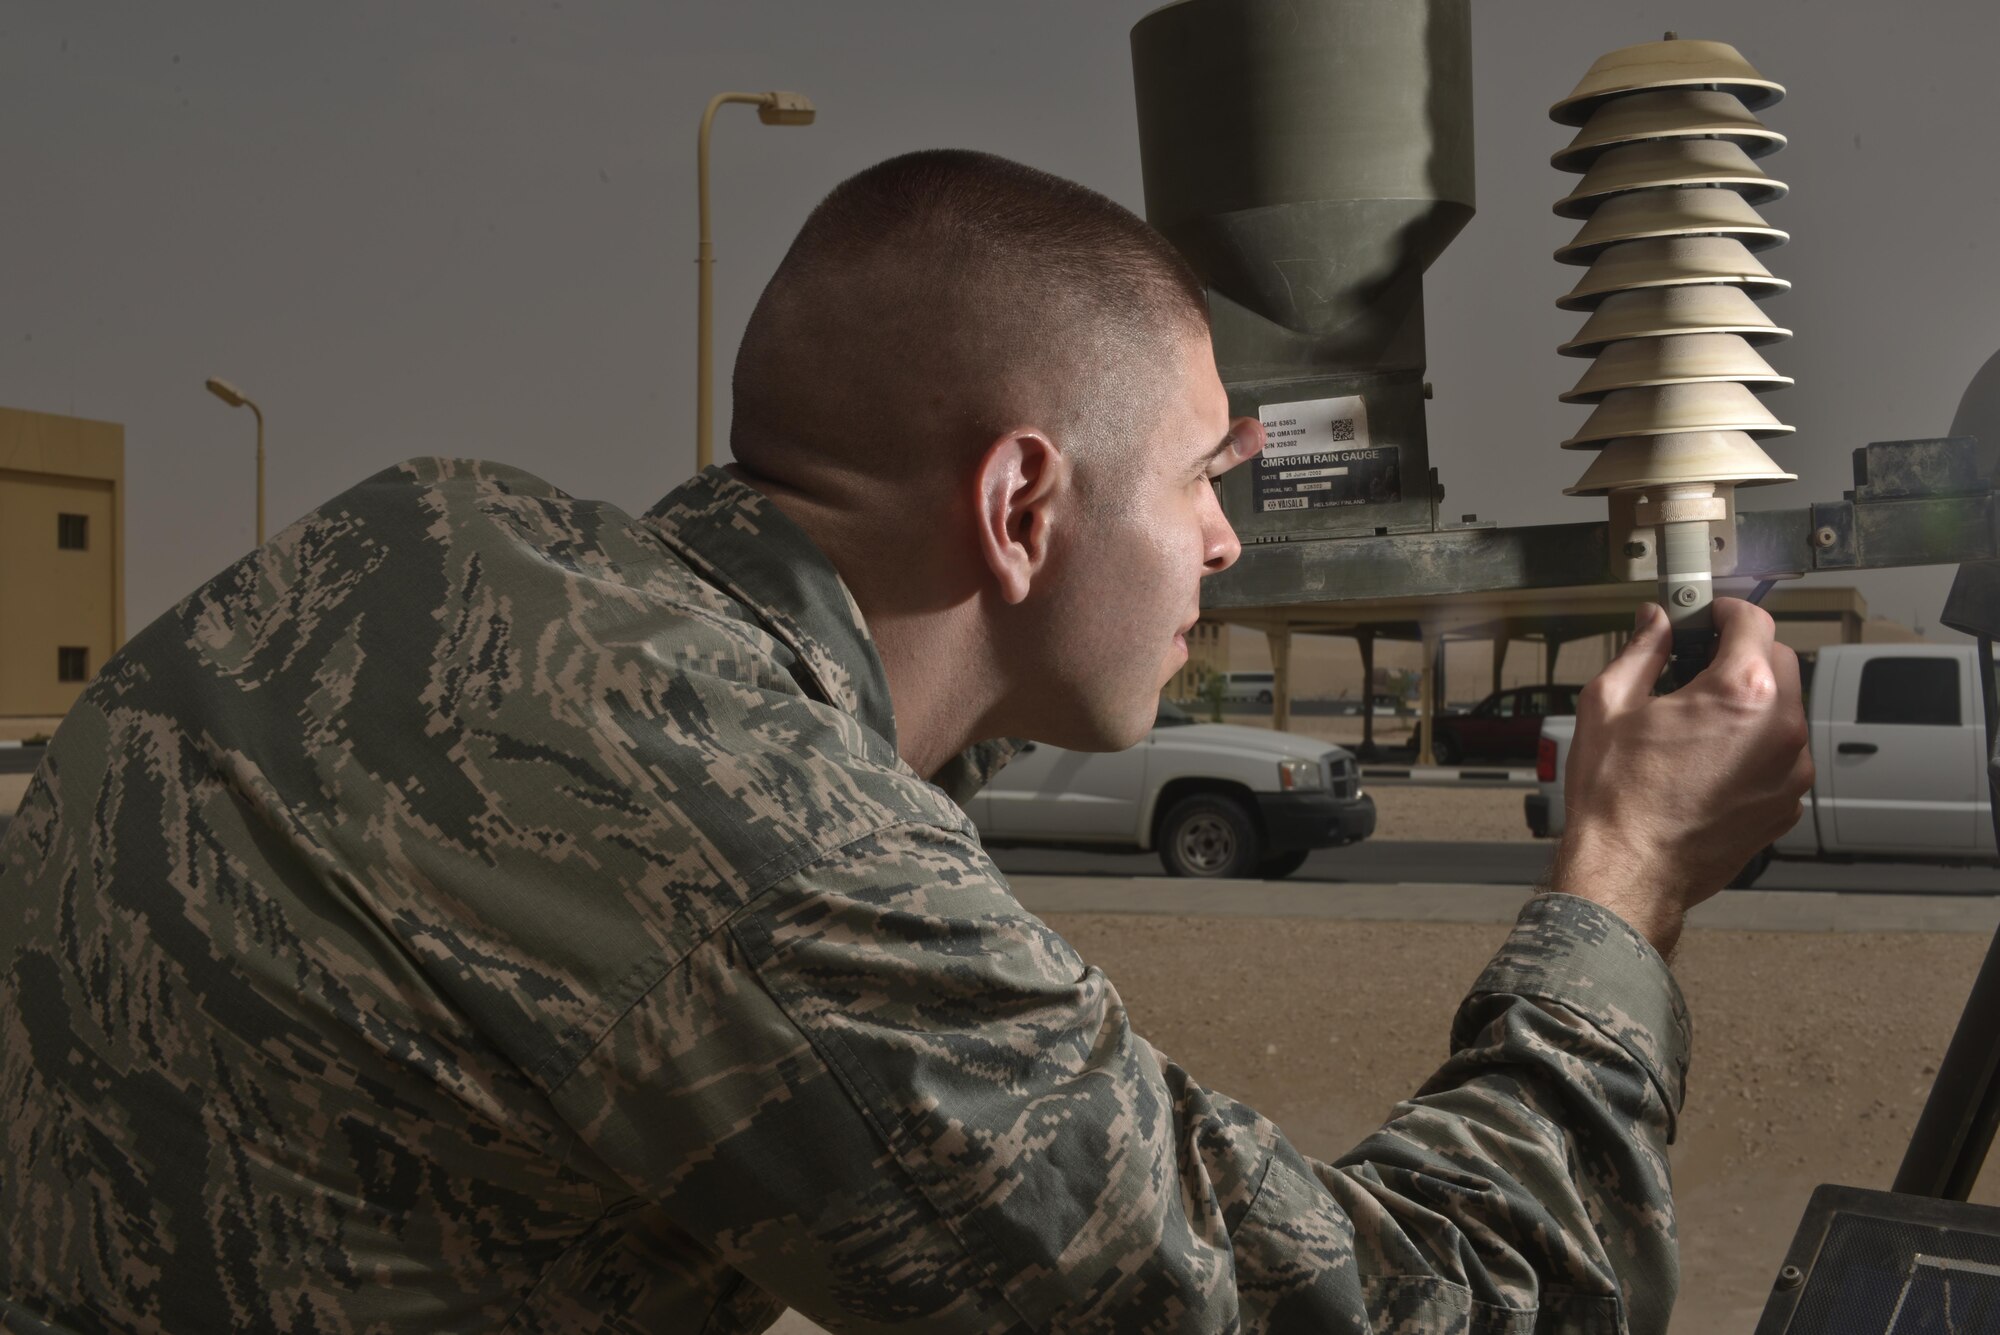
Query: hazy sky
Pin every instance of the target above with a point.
(439, 226)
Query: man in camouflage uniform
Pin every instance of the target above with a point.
(478, 909)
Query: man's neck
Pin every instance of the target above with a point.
(940, 679)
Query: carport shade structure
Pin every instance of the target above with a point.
(1550, 617)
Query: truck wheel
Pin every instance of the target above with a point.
(1445, 750)
(1208, 834)
(1746, 878)
(1280, 865)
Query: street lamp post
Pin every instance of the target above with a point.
(772, 109)
(236, 398)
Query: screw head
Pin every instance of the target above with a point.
(1685, 595)
(1825, 537)
(1791, 1277)
(1720, 542)
(1635, 548)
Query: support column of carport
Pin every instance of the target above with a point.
(1443, 692)
(1280, 642)
(1429, 688)
(1365, 641)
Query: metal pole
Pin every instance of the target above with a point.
(1955, 1130)
(260, 471)
(704, 425)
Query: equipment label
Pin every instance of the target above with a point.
(1317, 455)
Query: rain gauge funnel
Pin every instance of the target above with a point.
(1311, 158)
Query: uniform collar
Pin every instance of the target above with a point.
(739, 539)
(742, 542)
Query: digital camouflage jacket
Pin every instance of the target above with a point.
(478, 909)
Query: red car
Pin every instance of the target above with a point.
(1503, 726)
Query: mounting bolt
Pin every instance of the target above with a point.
(1720, 542)
(1825, 537)
(1790, 1278)
(1427, 389)
(1685, 595)
(1635, 549)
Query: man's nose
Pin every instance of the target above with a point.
(1222, 547)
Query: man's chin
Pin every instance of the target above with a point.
(1100, 735)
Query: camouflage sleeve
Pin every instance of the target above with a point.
(891, 1097)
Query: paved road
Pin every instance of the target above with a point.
(1381, 861)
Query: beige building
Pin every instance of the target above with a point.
(62, 562)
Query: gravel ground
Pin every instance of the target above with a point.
(1799, 1076)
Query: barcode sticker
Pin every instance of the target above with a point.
(1314, 426)
(1317, 454)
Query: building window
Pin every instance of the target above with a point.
(72, 664)
(73, 532)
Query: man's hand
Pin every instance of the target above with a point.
(1669, 797)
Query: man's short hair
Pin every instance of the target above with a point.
(941, 298)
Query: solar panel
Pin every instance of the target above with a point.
(1878, 1263)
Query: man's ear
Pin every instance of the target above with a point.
(1020, 476)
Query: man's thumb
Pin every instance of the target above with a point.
(1628, 678)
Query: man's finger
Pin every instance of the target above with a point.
(1628, 679)
(1785, 671)
(1744, 633)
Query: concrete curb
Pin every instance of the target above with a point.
(1448, 776)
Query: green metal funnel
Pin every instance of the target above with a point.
(1311, 158)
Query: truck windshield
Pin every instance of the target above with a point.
(1171, 715)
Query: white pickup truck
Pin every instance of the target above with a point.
(1213, 799)
(1899, 745)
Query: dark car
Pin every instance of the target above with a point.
(1503, 726)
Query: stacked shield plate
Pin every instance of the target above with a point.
(1670, 151)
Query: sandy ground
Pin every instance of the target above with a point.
(1799, 1076)
(11, 788)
